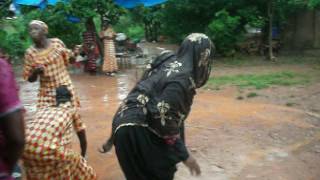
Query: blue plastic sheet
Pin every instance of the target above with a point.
(123, 3)
(134, 3)
(42, 4)
(38, 3)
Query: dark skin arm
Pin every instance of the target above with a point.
(12, 126)
(83, 142)
(72, 59)
(34, 75)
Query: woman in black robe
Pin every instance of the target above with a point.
(148, 128)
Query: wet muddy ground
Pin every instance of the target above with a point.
(258, 138)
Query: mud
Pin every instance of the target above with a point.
(232, 139)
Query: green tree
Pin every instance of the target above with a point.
(224, 32)
(314, 3)
(89, 10)
(181, 17)
(4, 8)
(150, 17)
(56, 19)
(131, 25)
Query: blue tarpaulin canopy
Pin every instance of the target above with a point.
(123, 3)
(28, 2)
(37, 2)
(134, 3)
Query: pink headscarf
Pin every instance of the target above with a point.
(9, 99)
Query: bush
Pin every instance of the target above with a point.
(14, 37)
(134, 30)
(14, 45)
(180, 17)
(225, 33)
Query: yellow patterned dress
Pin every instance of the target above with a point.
(55, 60)
(47, 154)
(110, 62)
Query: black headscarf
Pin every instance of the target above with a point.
(194, 57)
(196, 54)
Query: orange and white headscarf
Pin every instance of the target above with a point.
(41, 24)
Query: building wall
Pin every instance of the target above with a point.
(302, 31)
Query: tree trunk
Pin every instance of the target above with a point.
(146, 33)
(270, 46)
(316, 28)
(156, 31)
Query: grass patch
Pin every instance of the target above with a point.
(244, 60)
(290, 104)
(259, 81)
(252, 95)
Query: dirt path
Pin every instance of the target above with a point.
(231, 139)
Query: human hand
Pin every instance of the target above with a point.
(192, 165)
(106, 147)
(83, 154)
(38, 69)
(72, 59)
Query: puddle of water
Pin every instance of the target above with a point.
(105, 98)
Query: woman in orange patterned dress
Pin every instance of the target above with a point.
(47, 59)
(110, 65)
(47, 153)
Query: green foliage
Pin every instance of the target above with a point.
(222, 20)
(252, 94)
(130, 26)
(252, 16)
(13, 44)
(225, 32)
(314, 3)
(89, 9)
(150, 18)
(4, 8)
(180, 18)
(14, 37)
(260, 81)
(59, 25)
(135, 32)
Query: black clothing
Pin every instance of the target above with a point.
(159, 104)
(144, 156)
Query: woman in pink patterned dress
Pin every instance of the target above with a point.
(11, 122)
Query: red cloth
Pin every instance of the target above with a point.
(90, 47)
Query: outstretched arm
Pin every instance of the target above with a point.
(81, 133)
(83, 142)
